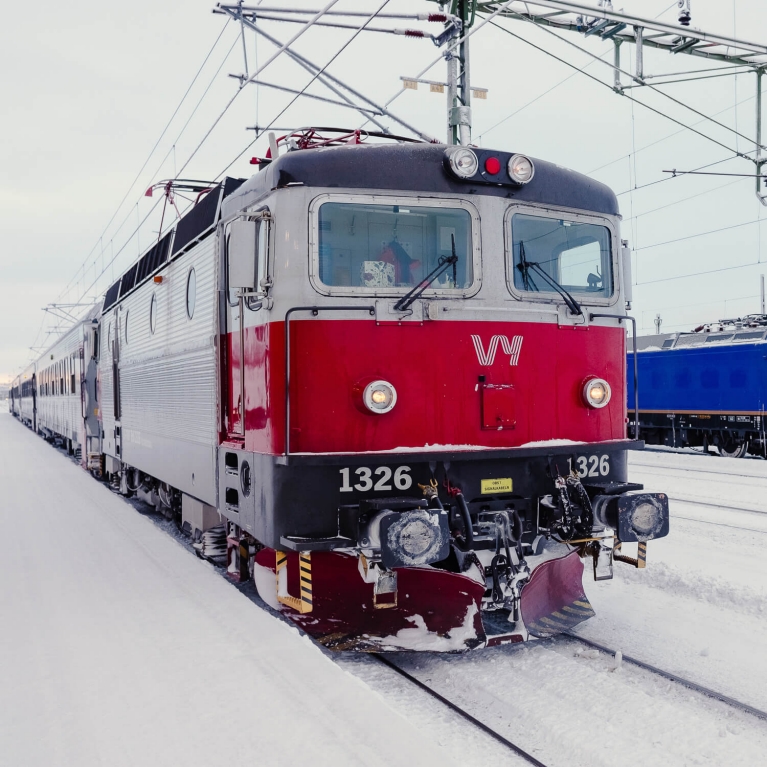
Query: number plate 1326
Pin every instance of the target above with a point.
(365, 479)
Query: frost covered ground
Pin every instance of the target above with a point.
(119, 647)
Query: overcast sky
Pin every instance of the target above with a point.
(87, 91)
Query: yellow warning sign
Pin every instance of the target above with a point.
(502, 485)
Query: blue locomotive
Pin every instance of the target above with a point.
(706, 388)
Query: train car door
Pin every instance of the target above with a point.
(34, 402)
(247, 245)
(116, 386)
(235, 345)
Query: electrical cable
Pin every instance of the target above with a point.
(154, 148)
(454, 44)
(554, 87)
(670, 135)
(260, 69)
(319, 72)
(685, 199)
(699, 274)
(699, 234)
(607, 85)
(316, 75)
(629, 75)
(335, 56)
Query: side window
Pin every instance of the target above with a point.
(153, 314)
(191, 293)
(247, 256)
(73, 367)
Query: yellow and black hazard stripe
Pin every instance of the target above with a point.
(305, 567)
(642, 555)
(564, 619)
(303, 603)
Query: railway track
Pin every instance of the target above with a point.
(720, 524)
(714, 505)
(684, 470)
(518, 750)
(458, 710)
(707, 691)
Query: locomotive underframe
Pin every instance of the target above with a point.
(294, 502)
(734, 433)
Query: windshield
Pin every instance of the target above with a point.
(384, 247)
(576, 255)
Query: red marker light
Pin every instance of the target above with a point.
(493, 165)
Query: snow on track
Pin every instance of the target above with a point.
(118, 647)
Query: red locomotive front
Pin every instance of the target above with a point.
(423, 381)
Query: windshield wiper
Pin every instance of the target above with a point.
(442, 265)
(525, 266)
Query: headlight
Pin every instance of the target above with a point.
(521, 169)
(645, 519)
(379, 396)
(596, 392)
(463, 162)
(634, 516)
(414, 538)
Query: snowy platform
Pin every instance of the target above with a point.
(119, 647)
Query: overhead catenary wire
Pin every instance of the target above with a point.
(159, 167)
(197, 148)
(454, 44)
(650, 86)
(292, 101)
(333, 58)
(699, 234)
(668, 136)
(555, 86)
(255, 74)
(153, 150)
(607, 85)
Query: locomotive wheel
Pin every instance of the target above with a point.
(734, 449)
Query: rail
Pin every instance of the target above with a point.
(709, 693)
(458, 710)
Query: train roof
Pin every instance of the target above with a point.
(670, 341)
(419, 167)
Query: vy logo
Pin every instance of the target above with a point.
(512, 348)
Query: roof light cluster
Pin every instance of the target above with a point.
(487, 167)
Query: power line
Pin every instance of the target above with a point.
(260, 69)
(699, 234)
(644, 84)
(684, 199)
(699, 274)
(665, 138)
(607, 85)
(333, 58)
(154, 148)
(554, 87)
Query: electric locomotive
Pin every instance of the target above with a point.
(706, 388)
(378, 378)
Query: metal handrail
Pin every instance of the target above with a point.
(636, 367)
